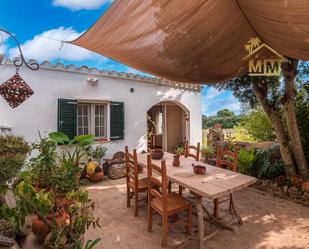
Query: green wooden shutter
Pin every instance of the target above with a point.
(67, 117)
(116, 120)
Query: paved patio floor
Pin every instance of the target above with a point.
(269, 222)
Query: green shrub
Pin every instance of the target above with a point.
(268, 163)
(245, 160)
(241, 134)
(258, 126)
(13, 151)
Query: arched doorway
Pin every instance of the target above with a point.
(168, 125)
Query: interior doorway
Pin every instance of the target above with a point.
(168, 126)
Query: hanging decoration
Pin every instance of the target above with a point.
(15, 90)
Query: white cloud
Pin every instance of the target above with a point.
(80, 4)
(47, 46)
(212, 93)
(213, 101)
(3, 39)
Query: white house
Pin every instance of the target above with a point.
(119, 107)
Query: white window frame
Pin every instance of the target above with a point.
(91, 117)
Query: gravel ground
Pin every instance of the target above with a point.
(269, 222)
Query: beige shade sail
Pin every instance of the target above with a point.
(197, 40)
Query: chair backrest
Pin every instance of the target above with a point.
(189, 148)
(157, 182)
(131, 167)
(226, 159)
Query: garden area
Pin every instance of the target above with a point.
(43, 195)
(270, 135)
(243, 184)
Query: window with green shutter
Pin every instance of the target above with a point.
(79, 118)
(116, 120)
(67, 117)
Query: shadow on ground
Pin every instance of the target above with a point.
(269, 222)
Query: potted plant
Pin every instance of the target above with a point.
(41, 203)
(42, 167)
(98, 154)
(61, 208)
(64, 182)
(94, 171)
(73, 150)
(179, 151)
(70, 234)
(54, 226)
(13, 152)
(94, 167)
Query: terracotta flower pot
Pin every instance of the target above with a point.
(41, 230)
(157, 154)
(176, 161)
(97, 176)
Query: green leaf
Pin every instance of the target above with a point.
(84, 140)
(92, 244)
(59, 137)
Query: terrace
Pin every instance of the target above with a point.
(120, 161)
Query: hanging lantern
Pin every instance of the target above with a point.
(15, 90)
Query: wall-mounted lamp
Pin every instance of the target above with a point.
(92, 81)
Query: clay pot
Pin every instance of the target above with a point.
(157, 154)
(176, 161)
(199, 169)
(97, 176)
(305, 186)
(41, 230)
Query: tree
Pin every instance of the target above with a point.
(302, 113)
(258, 125)
(276, 95)
(288, 102)
(226, 122)
(225, 113)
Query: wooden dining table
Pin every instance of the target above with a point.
(216, 183)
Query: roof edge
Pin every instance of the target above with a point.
(113, 74)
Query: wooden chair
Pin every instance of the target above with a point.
(228, 160)
(134, 185)
(165, 204)
(187, 153)
(188, 149)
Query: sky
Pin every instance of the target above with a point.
(41, 25)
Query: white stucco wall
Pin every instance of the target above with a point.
(39, 112)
